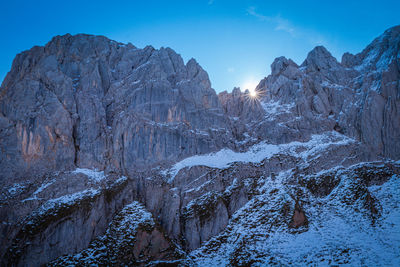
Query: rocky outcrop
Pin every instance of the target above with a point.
(60, 216)
(284, 223)
(132, 238)
(91, 102)
(358, 97)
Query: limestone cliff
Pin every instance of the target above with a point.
(112, 154)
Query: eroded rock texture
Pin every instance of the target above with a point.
(91, 102)
(111, 155)
(358, 97)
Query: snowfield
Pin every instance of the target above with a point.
(257, 153)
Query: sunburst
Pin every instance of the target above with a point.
(254, 96)
(252, 93)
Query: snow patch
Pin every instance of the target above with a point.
(120, 180)
(39, 190)
(66, 200)
(134, 215)
(274, 108)
(257, 153)
(15, 189)
(43, 187)
(94, 175)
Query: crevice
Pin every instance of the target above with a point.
(104, 77)
(122, 158)
(76, 143)
(48, 88)
(172, 62)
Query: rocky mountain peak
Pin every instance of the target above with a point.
(349, 60)
(280, 64)
(390, 36)
(91, 91)
(320, 59)
(378, 55)
(195, 71)
(236, 91)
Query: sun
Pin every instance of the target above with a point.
(251, 86)
(252, 94)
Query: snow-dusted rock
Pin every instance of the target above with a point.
(260, 233)
(89, 126)
(132, 238)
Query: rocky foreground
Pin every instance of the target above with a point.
(115, 155)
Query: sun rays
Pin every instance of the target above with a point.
(251, 93)
(254, 96)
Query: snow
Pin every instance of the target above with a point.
(376, 86)
(389, 197)
(66, 200)
(367, 62)
(94, 175)
(225, 157)
(274, 108)
(39, 190)
(120, 180)
(332, 85)
(258, 233)
(119, 236)
(257, 153)
(44, 186)
(247, 139)
(15, 189)
(183, 81)
(382, 60)
(134, 215)
(142, 66)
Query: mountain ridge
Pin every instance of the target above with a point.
(94, 132)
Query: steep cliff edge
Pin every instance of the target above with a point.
(88, 101)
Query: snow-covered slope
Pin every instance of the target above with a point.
(356, 223)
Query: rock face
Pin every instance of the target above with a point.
(132, 238)
(91, 102)
(261, 233)
(358, 97)
(90, 128)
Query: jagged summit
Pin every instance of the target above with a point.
(320, 58)
(325, 94)
(280, 64)
(379, 54)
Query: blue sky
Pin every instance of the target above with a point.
(234, 41)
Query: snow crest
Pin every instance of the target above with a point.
(257, 153)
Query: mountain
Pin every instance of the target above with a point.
(115, 155)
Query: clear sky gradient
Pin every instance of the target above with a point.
(234, 41)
